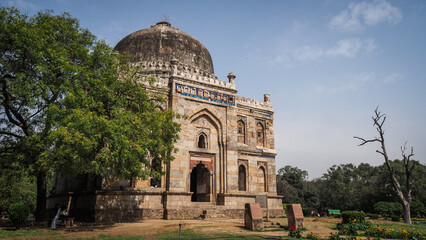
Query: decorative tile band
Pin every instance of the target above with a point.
(205, 94)
(263, 156)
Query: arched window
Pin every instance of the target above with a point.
(202, 141)
(241, 132)
(260, 135)
(242, 178)
(261, 179)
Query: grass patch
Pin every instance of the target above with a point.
(190, 234)
(421, 226)
(24, 233)
(185, 234)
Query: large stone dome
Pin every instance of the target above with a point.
(163, 43)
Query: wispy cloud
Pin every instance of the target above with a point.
(351, 47)
(359, 15)
(23, 5)
(356, 82)
(344, 48)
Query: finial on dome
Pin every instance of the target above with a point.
(163, 23)
(231, 77)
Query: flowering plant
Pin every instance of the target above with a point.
(296, 233)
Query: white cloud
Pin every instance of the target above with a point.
(359, 15)
(357, 82)
(351, 47)
(346, 48)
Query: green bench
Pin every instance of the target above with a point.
(332, 212)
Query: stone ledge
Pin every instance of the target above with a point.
(127, 192)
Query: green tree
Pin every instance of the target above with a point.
(340, 187)
(41, 57)
(16, 185)
(109, 125)
(67, 103)
(292, 184)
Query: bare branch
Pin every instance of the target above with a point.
(378, 151)
(364, 141)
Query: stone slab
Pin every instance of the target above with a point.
(253, 217)
(295, 216)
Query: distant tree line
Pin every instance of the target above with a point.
(351, 187)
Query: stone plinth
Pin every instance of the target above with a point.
(253, 217)
(295, 216)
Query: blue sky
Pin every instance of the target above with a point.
(327, 65)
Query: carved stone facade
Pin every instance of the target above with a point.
(226, 151)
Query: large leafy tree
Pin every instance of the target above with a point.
(67, 103)
(109, 125)
(292, 185)
(39, 59)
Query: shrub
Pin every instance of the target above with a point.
(353, 216)
(18, 213)
(417, 209)
(307, 212)
(395, 218)
(388, 208)
(353, 227)
(372, 215)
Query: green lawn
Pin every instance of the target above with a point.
(418, 225)
(31, 232)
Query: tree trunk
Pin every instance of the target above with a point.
(407, 213)
(40, 212)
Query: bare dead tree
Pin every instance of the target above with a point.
(405, 197)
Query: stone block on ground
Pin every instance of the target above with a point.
(253, 217)
(295, 216)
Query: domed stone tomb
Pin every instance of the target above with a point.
(226, 155)
(164, 43)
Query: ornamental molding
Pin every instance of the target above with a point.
(178, 70)
(252, 103)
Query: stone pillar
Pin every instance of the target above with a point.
(266, 98)
(231, 77)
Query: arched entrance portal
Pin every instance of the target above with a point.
(200, 183)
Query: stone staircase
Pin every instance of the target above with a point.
(272, 226)
(210, 210)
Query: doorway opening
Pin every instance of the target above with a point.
(200, 183)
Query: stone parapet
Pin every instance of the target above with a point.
(252, 103)
(179, 70)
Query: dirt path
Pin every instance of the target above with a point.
(149, 229)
